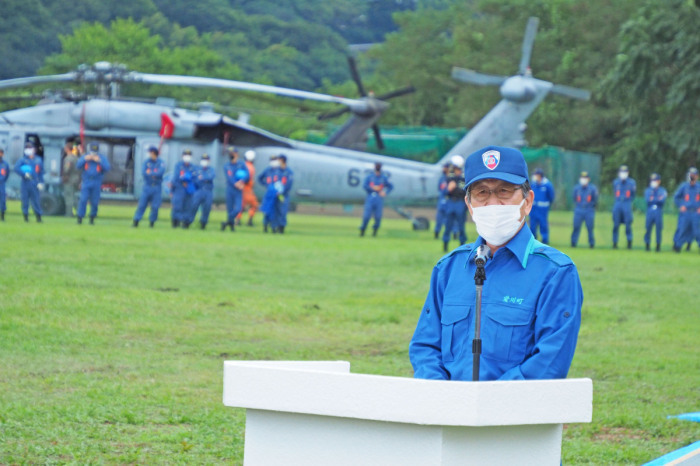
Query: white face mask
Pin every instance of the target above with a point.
(28, 152)
(187, 158)
(624, 175)
(583, 181)
(204, 163)
(498, 223)
(655, 184)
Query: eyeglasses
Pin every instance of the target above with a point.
(483, 193)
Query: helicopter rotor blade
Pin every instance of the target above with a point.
(572, 92)
(378, 137)
(397, 93)
(333, 114)
(474, 77)
(528, 43)
(356, 75)
(52, 78)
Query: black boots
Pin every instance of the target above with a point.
(629, 244)
(202, 225)
(444, 245)
(374, 232)
(151, 224)
(176, 223)
(362, 232)
(80, 220)
(2, 216)
(26, 218)
(226, 224)
(92, 220)
(38, 218)
(136, 224)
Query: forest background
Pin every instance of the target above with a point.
(640, 59)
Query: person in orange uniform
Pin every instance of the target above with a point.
(250, 201)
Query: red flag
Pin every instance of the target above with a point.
(166, 126)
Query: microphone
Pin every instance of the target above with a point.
(483, 253)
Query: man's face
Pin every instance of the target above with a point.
(153, 154)
(497, 192)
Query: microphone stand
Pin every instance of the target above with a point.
(479, 278)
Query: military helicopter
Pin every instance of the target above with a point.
(124, 129)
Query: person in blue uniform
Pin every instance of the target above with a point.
(377, 186)
(532, 296)
(442, 200)
(182, 189)
(624, 189)
(269, 178)
(204, 195)
(687, 199)
(31, 170)
(152, 172)
(544, 197)
(655, 196)
(236, 174)
(455, 210)
(4, 174)
(286, 180)
(93, 166)
(585, 203)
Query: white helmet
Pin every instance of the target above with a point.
(457, 161)
(249, 155)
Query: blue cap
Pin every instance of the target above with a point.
(624, 168)
(29, 144)
(655, 177)
(693, 171)
(282, 157)
(539, 171)
(153, 149)
(93, 147)
(494, 162)
(205, 157)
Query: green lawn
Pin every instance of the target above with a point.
(112, 338)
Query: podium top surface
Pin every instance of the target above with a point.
(327, 388)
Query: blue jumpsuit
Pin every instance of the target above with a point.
(687, 195)
(204, 196)
(441, 205)
(269, 178)
(544, 196)
(234, 172)
(624, 191)
(531, 314)
(282, 201)
(153, 172)
(585, 202)
(4, 173)
(91, 187)
(31, 170)
(374, 203)
(455, 211)
(656, 198)
(183, 189)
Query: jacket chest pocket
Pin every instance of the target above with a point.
(456, 323)
(507, 332)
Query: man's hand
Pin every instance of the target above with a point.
(239, 184)
(382, 193)
(451, 186)
(682, 208)
(40, 186)
(27, 176)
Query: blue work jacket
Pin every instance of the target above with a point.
(655, 197)
(204, 178)
(373, 180)
(688, 195)
(236, 172)
(4, 171)
(586, 197)
(153, 171)
(33, 166)
(93, 171)
(544, 194)
(530, 315)
(624, 190)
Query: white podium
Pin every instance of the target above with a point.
(318, 413)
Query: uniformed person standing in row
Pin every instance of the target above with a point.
(70, 177)
(282, 202)
(236, 174)
(182, 189)
(585, 203)
(377, 186)
(4, 173)
(268, 178)
(442, 200)
(624, 189)
(455, 210)
(544, 197)
(655, 196)
(93, 166)
(151, 193)
(204, 196)
(687, 199)
(31, 169)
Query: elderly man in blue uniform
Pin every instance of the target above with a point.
(182, 190)
(377, 186)
(687, 199)
(204, 195)
(286, 181)
(236, 174)
(532, 297)
(152, 172)
(655, 196)
(624, 189)
(455, 210)
(93, 166)
(442, 200)
(585, 203)
(4, 174)
(31, 170)
(544, 197)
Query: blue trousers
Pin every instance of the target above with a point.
(622, 213)
(440, 215)
(281, 209)
(3, 205)
(539, 220)
(89, 192)
(374, 207)
(688, 229)
(655, 217)
(29, 193)
(181, 205)
(202, 198)
(234, 200)
(455, 218)
(581, 216)
(151, 194)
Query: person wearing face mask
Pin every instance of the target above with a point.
(93, 166)
(624, 189)
(4, 174)
(152, 172)
(655, 196)
(182, 190)
(31, 170)
(377, 186)
(532, 296)
(236, 173)
(204, 195)
(270, 178)
(544, 196)
(455, 210)
(585, 203)
(687, 199)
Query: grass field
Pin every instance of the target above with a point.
(112, 338)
